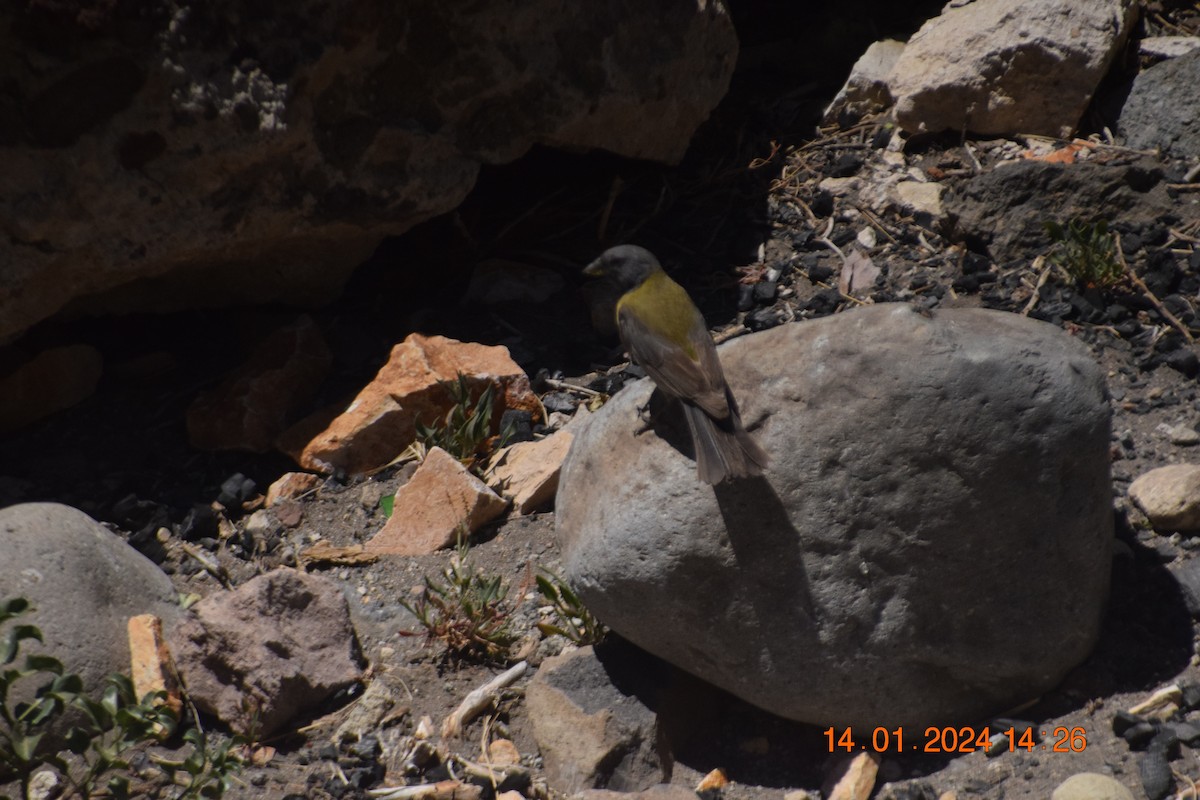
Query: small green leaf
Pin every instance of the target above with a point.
(387, 504)
(24, 747)
(12, 641)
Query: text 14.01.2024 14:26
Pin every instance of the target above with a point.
(959, 740)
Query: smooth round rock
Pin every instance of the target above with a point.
(83, 582)
(1169, 496)
(931, 543)
(1091, 786)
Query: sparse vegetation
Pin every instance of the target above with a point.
(1087, 251)
(465, 431)
(465, 611)
(572, 619)
(104, 734)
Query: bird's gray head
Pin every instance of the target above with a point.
(626, 265)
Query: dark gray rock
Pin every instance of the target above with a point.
(276, 646)
(1004, 210)
(84, 584)
(1161, 110)
(1155, 771)
(1187, 576)
(591, 733)
(931, 543)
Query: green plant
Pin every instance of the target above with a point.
(24, 724)
(465, 611)
(102, 734)
(572, 619)
(465, 431)
(1087, 251)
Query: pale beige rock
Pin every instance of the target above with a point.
(441, 501)
(854, 778)
(914, 197)
(866, 90)
(153, 171)
(255, 403)
(1169, 496)
(1091, 786)
(381, 420)
(511, 794)
(291, 485)
(52, 380)
(1002, 67)
(527, 472)
(1167, 46)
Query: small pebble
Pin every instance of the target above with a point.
(1184, 436)
(1138, 736)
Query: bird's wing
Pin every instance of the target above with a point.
(699, 380)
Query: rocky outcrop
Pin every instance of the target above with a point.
(167, 155)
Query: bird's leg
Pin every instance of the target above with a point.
(644, 417)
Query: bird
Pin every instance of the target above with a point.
(663, 331)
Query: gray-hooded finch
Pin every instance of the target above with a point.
(665, 333)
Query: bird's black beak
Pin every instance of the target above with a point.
(595, 269)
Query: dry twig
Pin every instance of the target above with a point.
(442, 790)
(475, 702)
(1045, 276)
(1141, 285)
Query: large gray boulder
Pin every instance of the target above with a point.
(161, 155)
(931, 543)
(84, 583)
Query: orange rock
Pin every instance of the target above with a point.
(52, 380)
(253, 405)
(855, 777)
(429, 511)
(291, 485)
(150, 662)
(527, 472)
(503, 753)
(712, 781)
(381, 421)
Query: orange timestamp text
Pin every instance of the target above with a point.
(968, 739)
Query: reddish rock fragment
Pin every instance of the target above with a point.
(381, 420)
(440, 502)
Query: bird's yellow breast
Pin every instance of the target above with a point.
(663, 306)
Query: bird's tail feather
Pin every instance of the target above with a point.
(723, 448)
